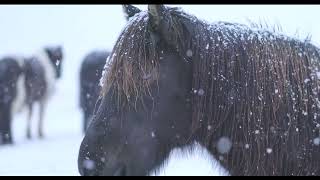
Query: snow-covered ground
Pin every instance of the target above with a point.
(80, 29)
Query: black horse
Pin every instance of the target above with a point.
(249, 95)
(10, 71)
(24, 82)
(90, 74)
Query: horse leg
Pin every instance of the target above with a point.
(5, 125)
(8, 137)
(41, 115)
(30, 108)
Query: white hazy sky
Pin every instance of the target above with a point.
(81, 28)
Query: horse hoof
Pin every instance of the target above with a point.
(41, 136)
(6, 143)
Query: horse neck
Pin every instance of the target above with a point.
(49, 69)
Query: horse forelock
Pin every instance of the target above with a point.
(133, 62)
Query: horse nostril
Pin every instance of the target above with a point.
(121, 171)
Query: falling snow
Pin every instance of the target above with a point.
(318, 75)
(189, 53)
(246, 146)
(269, 150)
(307, 80)
(88, 164)
(316, 141)
(224, 145)
(153, 134)
(272, 129)
(200, 92)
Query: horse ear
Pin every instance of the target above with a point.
(130, 11)
(156, 15)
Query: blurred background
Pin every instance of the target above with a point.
(80, 29)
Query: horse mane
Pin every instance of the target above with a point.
(260, 89)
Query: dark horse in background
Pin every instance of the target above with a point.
(25, 81)
(249, 95)
(90, 74)
(10, 71)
